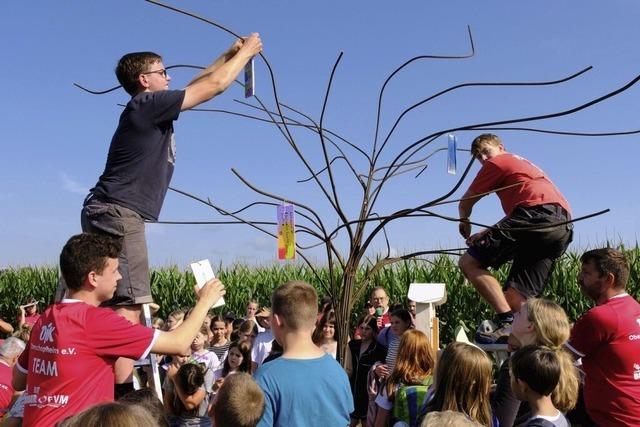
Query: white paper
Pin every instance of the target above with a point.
(203, 273)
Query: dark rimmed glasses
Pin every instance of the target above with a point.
(162, 72)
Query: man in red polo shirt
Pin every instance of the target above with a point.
(9, 352)
(68, 364)
(526, 235)
(607, 338)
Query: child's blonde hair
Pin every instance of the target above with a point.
(462, 382)
(240, 402)
(296, 302)
(552, 330)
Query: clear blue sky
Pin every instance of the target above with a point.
(55, 137)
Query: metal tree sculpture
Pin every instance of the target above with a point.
(350, 273)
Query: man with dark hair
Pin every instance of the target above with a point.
(526, 235)
(140, 163)
(607, 339)
(68, 364)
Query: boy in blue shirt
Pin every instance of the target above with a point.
(305, 386)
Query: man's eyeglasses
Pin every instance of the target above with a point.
(162, 72)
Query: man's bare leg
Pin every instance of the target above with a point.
(484, 282)
(124, 366)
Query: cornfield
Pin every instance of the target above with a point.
(172, 288)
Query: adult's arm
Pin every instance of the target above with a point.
(465, 207)
(178, 341)
(218, 76)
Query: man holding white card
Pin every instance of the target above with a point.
(140, 163)
(69, 362)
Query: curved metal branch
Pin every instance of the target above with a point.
(352, 145)
(558, 132)
(417, 147)
(338, 208)
(293, 122)
(397, 70)
(223, 212)
(491, 84)
(276, 197)
(102, 92)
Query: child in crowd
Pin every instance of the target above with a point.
(535, 372)
(540, 322)
(462, 381)
(174, 320)
(248, 330)
(239, 402)
(448, 419)
(324, 334)
(252, 309)
(238, 360)
(28, 314)
(219, 343)
(112, 414)
(157, 323)
(229, 318)
(363, 354)
(187, 394)
(390, 338)
(413, 367)
(207, 323)
(147, 398)
(199, 352)
(305, 386)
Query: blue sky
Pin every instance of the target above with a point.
(55, 137)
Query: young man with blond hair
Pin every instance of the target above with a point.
(305, 386)
(526, 235)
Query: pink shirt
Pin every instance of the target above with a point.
(69, 360)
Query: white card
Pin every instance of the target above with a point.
(203, 273)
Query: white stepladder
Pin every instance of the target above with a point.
(427, 297)
(151, 359)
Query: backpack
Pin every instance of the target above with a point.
(408, 401)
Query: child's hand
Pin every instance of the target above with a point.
(382, 371)
(218, 384)
(172, 370)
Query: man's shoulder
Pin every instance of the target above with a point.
(143, 99)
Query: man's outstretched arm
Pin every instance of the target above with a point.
(216, 78)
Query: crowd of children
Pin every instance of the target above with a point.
(229, 374)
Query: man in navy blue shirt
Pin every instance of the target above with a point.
(140, 164)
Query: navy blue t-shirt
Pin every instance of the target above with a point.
(142, 154)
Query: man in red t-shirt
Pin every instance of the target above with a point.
(68, 364)
(9, 352)
(607, 339)
(526, 235)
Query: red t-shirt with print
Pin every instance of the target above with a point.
(70, 357)
(506, 169)
(607, 338)
(6, 389)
